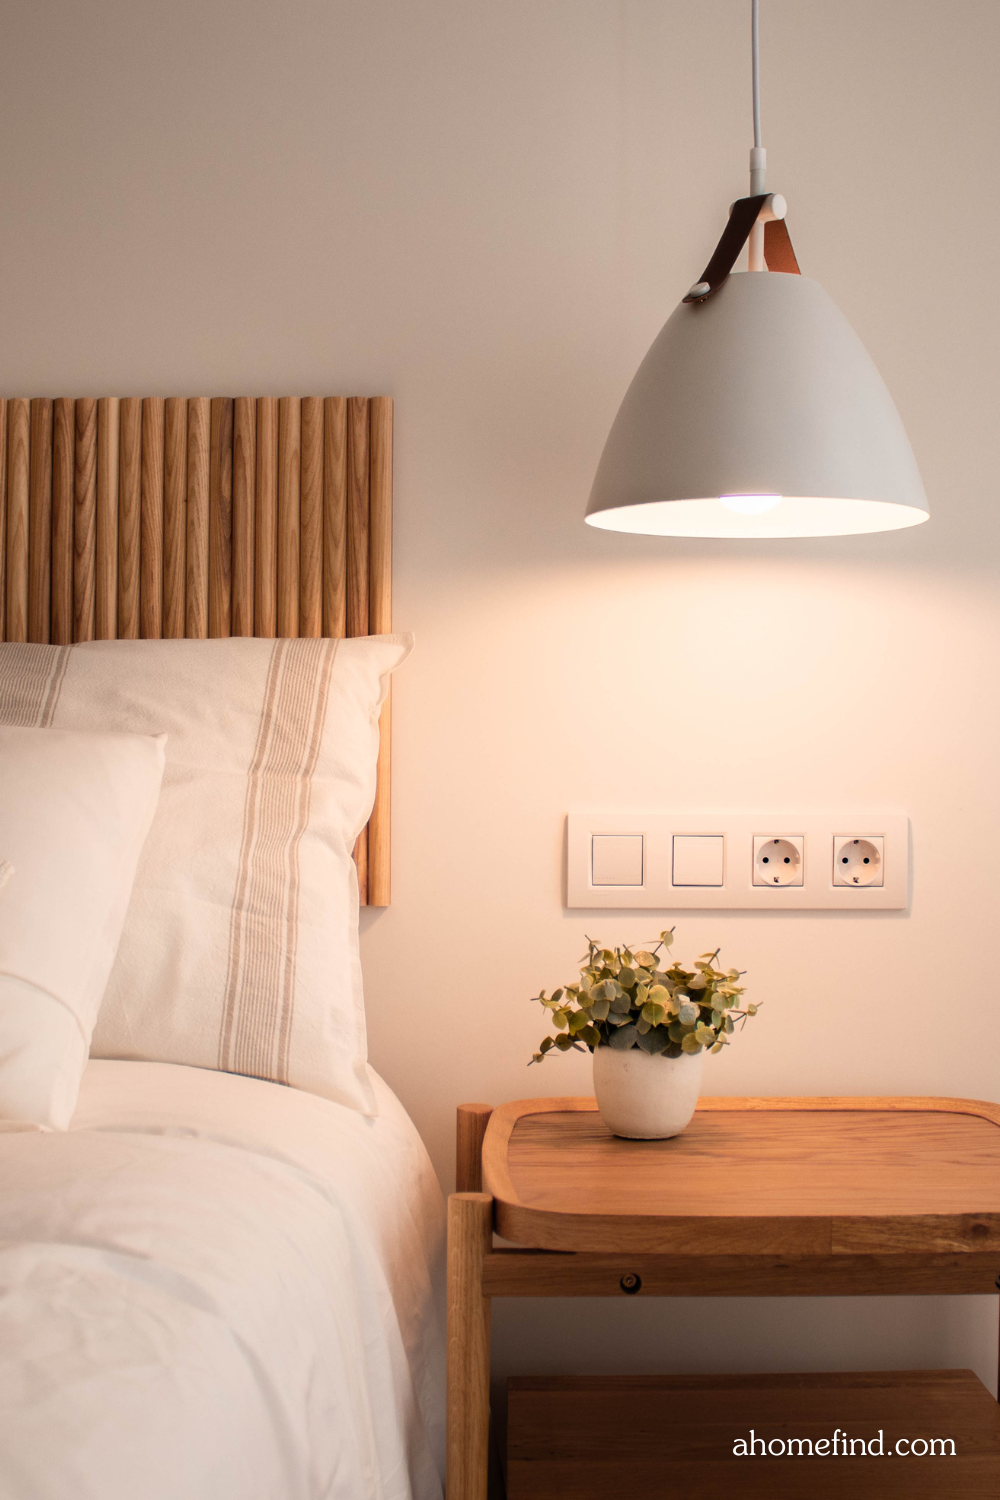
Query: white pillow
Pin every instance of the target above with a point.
(240, 950)
(74, 811)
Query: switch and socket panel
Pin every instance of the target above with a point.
(787, 861)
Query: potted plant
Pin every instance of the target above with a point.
(648, 1029)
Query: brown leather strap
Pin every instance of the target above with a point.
(735, 235)
(778, 252)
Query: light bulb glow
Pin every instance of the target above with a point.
(795, 516)
(750, 505)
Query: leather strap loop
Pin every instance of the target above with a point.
(778, 252)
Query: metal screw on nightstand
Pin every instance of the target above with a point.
(631, 1283)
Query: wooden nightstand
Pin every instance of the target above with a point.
(759, 1197)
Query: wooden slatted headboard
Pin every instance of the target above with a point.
(128, 517)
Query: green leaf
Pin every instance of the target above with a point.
(690, 1044)
(557, 994)
(667, 938)
(643, 1026)
(653, 1013)
(564, 1043)
(577, 1021)
(626, 977)
(599, 1010)
(646, 960)
(647, 1041)
(688, 1015)
(624, 1037)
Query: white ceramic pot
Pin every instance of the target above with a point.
(643, 1097)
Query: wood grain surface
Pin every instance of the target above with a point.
(335, 516)
(40, 521)
(468, 1391)
(766, 1177)
(63, 460)
(311, 511)
(220, 519)
(470, 1128)
(106, 562)
(151, 530)
(175, 419)
(289, 513)
(129, 515)
(18, 446)
(168, 517)
(199, 438)
(244, 471)
(266, 579)
(554, 1273)
(380, 623)
(672, 1437)
(85, 520)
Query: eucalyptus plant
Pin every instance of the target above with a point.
(626, 999)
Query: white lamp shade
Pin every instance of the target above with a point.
(757, 413)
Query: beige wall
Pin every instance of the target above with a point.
(488, 211)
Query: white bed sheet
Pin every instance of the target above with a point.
(218, 1288)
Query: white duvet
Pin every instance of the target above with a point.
(217, 1288)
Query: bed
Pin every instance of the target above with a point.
(221, 1238)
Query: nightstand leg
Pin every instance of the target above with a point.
(470, 1236)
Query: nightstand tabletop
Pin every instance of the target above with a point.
(797, 1176)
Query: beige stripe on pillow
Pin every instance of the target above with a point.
(260, 983)
(30, 684)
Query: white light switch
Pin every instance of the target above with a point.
(616, 859)
(699, 858)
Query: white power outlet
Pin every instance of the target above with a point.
(858, 859)
(778, 859)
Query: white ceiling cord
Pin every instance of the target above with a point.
(755, 54)
(758, 156)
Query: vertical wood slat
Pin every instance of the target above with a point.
(357, 516)
(266, 519)
(335, 516)
(244, 474)
(151, 528)
(357, 564)
(63, 456)
(3, 518)
(380, 623)
(106, 550)
(220, 519)
(175, 424)
(40, 521)
(198, 487)
(129, 515)
(84, 518)
(311, 519)
(289, 512)
(18, 447)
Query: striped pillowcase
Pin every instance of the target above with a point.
(240, 947)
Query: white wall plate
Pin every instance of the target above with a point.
(794, 851)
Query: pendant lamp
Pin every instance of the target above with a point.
(758, 411)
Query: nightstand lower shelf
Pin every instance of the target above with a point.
(672, 1437)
